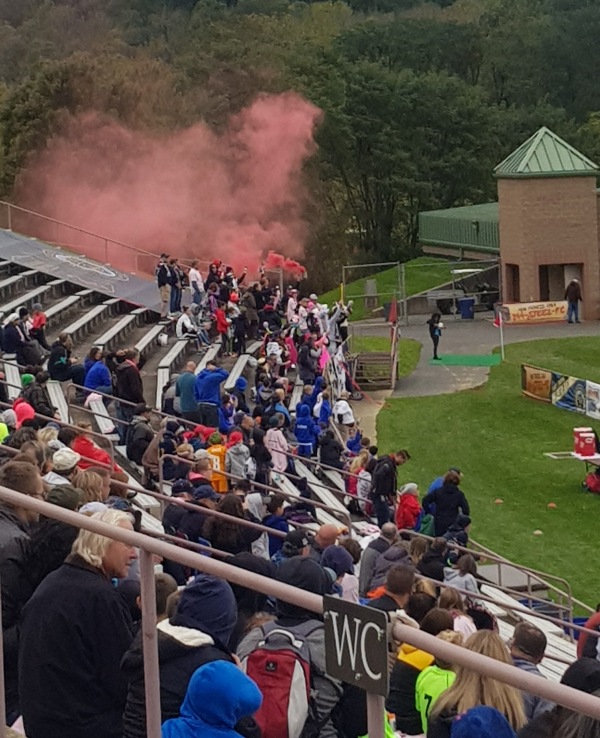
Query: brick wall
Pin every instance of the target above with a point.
(551, 221)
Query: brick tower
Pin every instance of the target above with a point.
(548, 222)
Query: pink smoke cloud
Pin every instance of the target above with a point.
(194, 193)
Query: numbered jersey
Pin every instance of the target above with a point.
(431, 682)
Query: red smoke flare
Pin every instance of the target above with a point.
(195, 194)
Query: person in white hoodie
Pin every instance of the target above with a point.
(343, 415)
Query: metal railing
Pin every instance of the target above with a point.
(555, 692)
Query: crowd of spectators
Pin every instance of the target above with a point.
(71, 608)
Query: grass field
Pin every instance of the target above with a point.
(418, 279)
(409, 350)
(498, 438)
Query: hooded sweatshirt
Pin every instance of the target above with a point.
(219, 695)
(408, 511)
(236, 458)
(403, 680)
(306, 431)
(462, 581)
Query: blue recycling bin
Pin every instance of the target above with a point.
(466, 305)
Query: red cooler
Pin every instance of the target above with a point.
(588, 443)
(578, 442)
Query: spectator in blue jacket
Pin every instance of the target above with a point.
(98, 377)
(306, 431)
(185, 389)
(218, 696)
(325, 412)
(208, 393)
(275, 519)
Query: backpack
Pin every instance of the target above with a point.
(592, 483)
(280, 666)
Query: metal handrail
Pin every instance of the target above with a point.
(555, 692)
(270, 488)
(82, 431)
(499, 560)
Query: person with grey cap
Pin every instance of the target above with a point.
(139, 433)
(65, 462)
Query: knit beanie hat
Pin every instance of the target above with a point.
(482, 722)
(215, 439)
(337, 558)
(27, 379)
(207, 604)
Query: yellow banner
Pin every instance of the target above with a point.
(536, 383)
(534, 312)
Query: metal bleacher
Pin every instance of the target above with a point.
(121, 329)
(58, 312)
(166, 365)
(240, 365)
(33, 296)
(90, 319)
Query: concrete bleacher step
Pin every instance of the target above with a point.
(18, 282)
(318, 488)
(88, 321)
(120, 330)
(522, 612)
(169, 363)
(58, 399)
(61, 310)
(240, 365)
(36, 295)
(209, 355)
(286, 485)
(512, 577)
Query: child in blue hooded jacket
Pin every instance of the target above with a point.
(306, 431)
(219, 695)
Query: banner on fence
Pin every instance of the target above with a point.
(522, 313)
(569, 392)
(592, 400)
(536, 383)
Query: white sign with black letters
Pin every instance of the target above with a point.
(356, 644)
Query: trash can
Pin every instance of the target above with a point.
(466, 306)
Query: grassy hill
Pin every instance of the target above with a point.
(422, 274)
(498, 438)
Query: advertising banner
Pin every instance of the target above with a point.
(522, 313)
(536, 383)
(592, 400)
(569, 393)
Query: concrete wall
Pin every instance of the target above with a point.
(555, 222)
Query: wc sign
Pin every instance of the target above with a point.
(356, 644)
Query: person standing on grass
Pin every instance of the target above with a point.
(573, 297)
(435, 331)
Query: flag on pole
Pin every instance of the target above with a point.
(499, 323)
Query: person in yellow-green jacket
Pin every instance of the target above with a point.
(409, 664)
(435, 679)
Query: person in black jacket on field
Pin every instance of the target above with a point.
(76, 629)
(446, 503)
(203, 623)
(385, 484)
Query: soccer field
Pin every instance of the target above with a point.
(498, 438)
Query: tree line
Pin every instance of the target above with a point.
(421, 100)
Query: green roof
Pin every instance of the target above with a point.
(546, 155)
(470, 228)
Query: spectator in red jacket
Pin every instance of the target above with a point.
(408, 509)
(587, 644)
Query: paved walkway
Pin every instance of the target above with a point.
(477, 336)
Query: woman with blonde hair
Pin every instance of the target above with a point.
(451, 599)
(418, 546)
(472, 689)
(91, 484)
